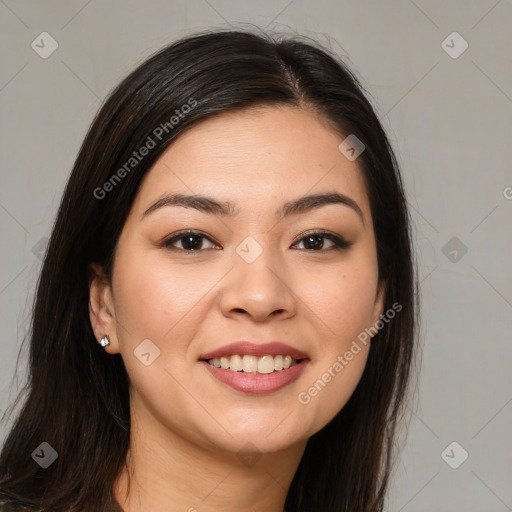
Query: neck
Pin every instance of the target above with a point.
(166, 471)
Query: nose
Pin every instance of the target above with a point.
(261, 288)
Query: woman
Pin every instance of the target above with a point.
(226, 313)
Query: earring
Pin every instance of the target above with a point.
(104, 342)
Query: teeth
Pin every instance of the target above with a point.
(266, 364)
(254, 364)
(250, 364)
(235, 363)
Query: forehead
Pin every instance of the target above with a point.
(256, 156)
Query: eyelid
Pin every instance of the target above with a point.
(319, 232)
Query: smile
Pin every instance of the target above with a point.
(255, 368)
(253, 364)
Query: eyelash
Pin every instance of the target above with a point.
(339, 242)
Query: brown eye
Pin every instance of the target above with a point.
(194, 241)
(190, 241)
(314, 241)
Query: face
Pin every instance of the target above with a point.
(255, 268)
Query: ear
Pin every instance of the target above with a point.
(380, 299)
(101, 308)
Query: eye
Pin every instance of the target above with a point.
(314, 241)
(191, 241)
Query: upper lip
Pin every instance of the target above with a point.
(272, 348)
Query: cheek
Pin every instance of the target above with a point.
(343, 305)
(160, 304)
(154, 302)
(343, 300)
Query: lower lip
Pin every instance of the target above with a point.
(257, 384)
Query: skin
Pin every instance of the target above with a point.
(187, 427)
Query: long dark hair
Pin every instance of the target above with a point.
(77, 395)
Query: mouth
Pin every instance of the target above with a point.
(253, 364)
(255, 368)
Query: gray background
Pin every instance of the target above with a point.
(450, 121)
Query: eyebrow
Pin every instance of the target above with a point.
(210, 205)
